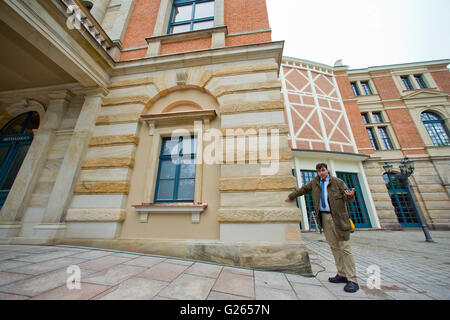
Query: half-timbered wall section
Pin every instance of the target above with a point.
(314, 108)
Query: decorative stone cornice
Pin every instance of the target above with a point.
(177, 118)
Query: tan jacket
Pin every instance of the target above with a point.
(336, 200)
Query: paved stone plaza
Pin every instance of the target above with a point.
(409, 268)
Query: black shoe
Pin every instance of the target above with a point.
(351, 287)
(338, 279)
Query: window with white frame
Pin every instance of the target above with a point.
(420, 81)
(366, 88)
(176, 170)
(412, 82)
(361, 88)
(377, 130)
(436, 128)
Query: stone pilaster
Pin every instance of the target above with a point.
(16, 203)
(66, 178)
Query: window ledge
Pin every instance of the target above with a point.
(194, 208)
(172, 118)
(189, 35)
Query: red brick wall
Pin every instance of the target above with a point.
(385, 86)
(239, 16)
(131, 55)
(358, 127)
(191, 45)
(353, 113)
(442, 78)
(246, 15)
(405, 129)
(343, 83)
(248, 39)
(141, 24)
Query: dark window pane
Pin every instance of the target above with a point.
(187, 170)
(17, 163)
(170, 147)
(165, 190)
(186, 189)
(168, 169)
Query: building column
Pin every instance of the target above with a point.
(66, 178)
(22, 189)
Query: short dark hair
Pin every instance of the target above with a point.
(321, 165)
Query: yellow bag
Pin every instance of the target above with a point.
(352, 225)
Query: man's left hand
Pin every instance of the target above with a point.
(350, 192)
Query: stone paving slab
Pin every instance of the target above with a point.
(234, 283)
(410, 269)
(135, 289)
(164, 271)
(188, 287)
(86, 292)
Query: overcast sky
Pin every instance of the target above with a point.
(362, 33)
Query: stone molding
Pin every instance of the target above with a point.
(258, 215)
(96, 215)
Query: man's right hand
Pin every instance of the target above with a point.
(288, 199)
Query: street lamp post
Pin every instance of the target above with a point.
(406, 170)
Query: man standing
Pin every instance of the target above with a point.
(330, 194)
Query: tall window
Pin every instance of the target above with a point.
(366, 88)
(377, 118)
(373, 140)
(420, 81)
(436, 128)
(176, 172)
(190, 15)
(365, 118)
(407, 83)
(385, 138)
(355, 88)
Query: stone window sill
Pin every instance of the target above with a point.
(189, 35)
(195, 209)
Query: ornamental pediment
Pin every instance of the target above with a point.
(424, 94)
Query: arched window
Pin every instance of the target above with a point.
(436, 128)
(22, 124)
(15, 140)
